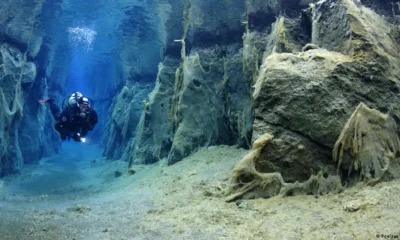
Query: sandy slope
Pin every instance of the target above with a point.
(63, 198)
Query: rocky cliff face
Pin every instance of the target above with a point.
(196, 100)
(22, 83)
(205, 103)
(215, 52)
(229, 72)
(211, 59)
(237, 71)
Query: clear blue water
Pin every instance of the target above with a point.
(93, 35)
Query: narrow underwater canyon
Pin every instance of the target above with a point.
(216, 119)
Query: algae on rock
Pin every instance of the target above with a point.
(154, 131)
(368, 146)
(14, 71)
(305, 99)
(211, 102)
(247, 181)
(367, 150)
(199, 108)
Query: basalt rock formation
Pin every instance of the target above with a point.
(206, 93)
(22, 82)
(310, 64)
(305, 99)
(228, 73)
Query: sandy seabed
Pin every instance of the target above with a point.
(77, 195)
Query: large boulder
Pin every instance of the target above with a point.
(304, 100)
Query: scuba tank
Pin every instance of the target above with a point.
(73, 100)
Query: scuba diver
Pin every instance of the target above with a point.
(76, 119)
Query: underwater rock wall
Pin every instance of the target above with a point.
(20, 25)
(21, 127)
(22, 83)
(203, 91)
(310, 67)
(14, 71)
(211, 103)
(200, 23)
(207, 98)
(203, 102)
(124, 118)
(153, 135)
(138, 55)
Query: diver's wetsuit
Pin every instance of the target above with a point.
(73, 120)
